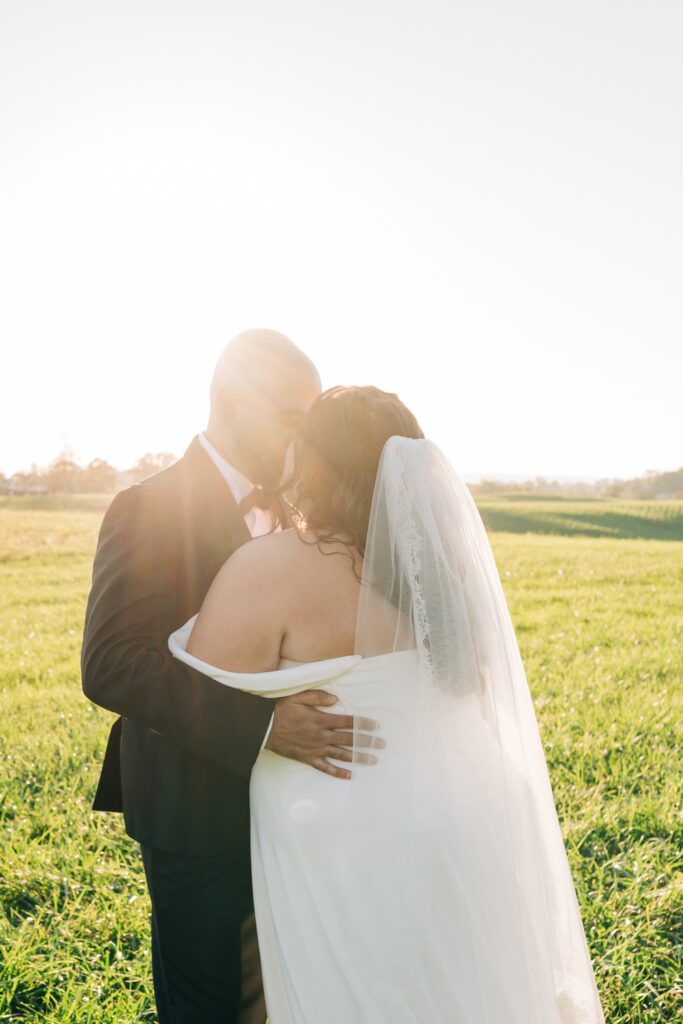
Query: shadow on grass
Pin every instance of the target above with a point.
(652, 522)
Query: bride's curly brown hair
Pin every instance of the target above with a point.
(336, 456)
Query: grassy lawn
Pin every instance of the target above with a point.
(595, 590)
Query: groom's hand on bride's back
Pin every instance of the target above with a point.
(301, 732)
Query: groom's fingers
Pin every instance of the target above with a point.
(330, 769)
(344, 754)
(347, 722)
(316, 698)
(357, 739)
(321, 699)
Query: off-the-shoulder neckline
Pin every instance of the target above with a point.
(330, 668)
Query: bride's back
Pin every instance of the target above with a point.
(322, 593)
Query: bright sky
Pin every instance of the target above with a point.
(477, 205)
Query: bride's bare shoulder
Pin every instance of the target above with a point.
(250, 593)
(269, 553)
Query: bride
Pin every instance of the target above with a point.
(427, 883)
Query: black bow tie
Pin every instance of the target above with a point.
(259, 498)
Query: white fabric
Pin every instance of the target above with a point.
(433, 888)
(259, 521)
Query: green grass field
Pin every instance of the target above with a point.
(595, 590)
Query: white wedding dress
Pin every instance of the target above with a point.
(433, 887)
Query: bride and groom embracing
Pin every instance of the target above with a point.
(326, 748)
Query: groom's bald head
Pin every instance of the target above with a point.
(260, 360)
(262, 387)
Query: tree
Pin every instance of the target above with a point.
(99, 477)
(149, 464)
(64, 474)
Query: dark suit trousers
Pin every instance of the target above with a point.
(205, 960)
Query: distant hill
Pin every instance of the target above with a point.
(651, 487)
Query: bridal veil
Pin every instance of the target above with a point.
(464, 825)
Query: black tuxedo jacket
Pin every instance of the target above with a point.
(179, 756)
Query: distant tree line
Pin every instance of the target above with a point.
(66, 476)
(653, 486)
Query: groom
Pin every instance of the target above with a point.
(178, 758)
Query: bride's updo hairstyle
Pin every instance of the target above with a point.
(336, 456)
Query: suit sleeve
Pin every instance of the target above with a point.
(126, 666)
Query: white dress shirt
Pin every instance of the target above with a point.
(258, 520)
